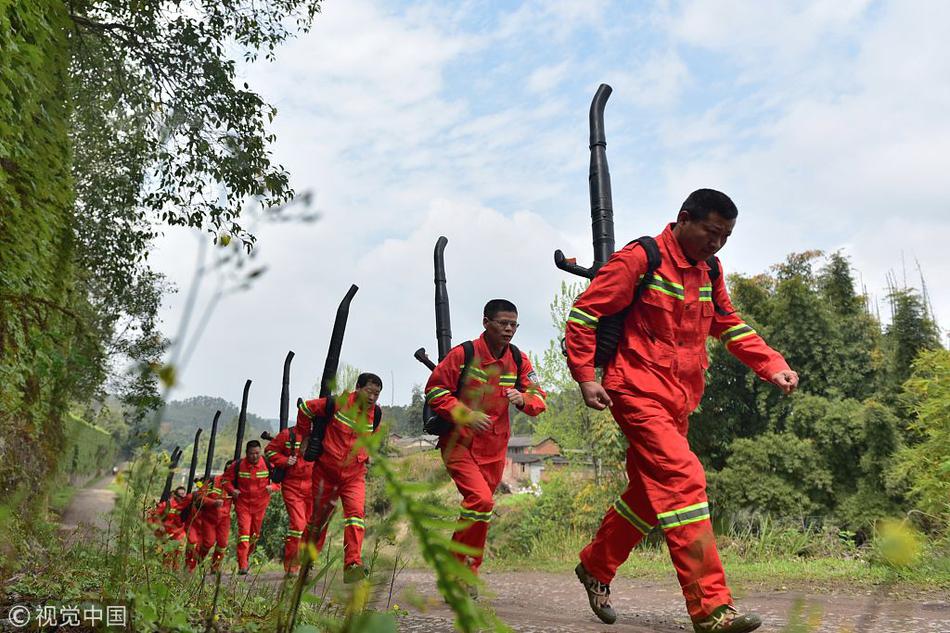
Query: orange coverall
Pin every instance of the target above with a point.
(476, 461)
(215, 522)
(296, 488)
(250, 505)
(339, 472)
(655, 381)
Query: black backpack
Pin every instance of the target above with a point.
(279, 473)
(610, 328)
(318, 428)
(431, 422)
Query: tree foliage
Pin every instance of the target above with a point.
(840, 449)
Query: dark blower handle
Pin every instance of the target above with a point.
(601, 197)
(423, 358)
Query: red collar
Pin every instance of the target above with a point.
(484, 353)
(676, 251)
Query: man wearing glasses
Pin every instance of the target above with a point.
(496, 376)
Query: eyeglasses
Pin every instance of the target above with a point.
(506, 324)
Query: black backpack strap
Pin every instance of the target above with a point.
(469, 348)
(377, 416)
(654, 259)
(714, 274)
(516, 355)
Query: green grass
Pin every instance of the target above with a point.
(60, 498)
(558, 554)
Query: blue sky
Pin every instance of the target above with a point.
(825, 121)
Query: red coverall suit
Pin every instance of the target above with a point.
(169, 514)
(250, 504)
(194, 526)
(655, 381)
(296, 489)
(339, 472)
(215, 522)
(476, 461)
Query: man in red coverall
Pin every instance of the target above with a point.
(284, 451)
(652, 384)
(216, 520)
(251, 495)
(193, 521)
(169, 514)
(340, 472)
(474, 451)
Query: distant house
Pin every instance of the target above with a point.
(407, 445)
(527, 458)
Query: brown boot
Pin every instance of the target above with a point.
(598, 595)
(726, 619)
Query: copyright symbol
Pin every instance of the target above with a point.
(19, 616)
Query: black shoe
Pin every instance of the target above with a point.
(243, 571)
(726, 619)
(598, 595)
(354, 573)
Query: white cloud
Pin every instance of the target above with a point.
(546, 78)
(825, 122)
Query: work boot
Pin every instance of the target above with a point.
(243, 571)
(598, 595)
(726, 619)
(354, 572)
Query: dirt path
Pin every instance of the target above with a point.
(535, 602)
(90, 507)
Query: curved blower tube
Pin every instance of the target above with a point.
(601, 198)
(194, 462)
(443, 319)
(336, 342)
(167, 490)
(214, 434)
(242, 422)
(318, 424)
(285, 392)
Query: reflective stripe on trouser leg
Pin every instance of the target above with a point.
(353, 500)
(325, 492)
(476, 483)
(244, 519)
(674, 486)
(299, 504)
(627, 521)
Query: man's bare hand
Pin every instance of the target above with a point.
(515, 397)
(595, 396)
(479, 421)
(291, 460)
(786, 380)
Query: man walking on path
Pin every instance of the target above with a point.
(340, 471)
(284, 451)
(652, 384)
(473, 390)
(247, 482)
(216, 523)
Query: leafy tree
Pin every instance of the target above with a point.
(910, 332)
(165, 79)
(775, 473)
(925, 465)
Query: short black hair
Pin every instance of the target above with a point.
(182, 488)
(366, 378)
(493, 307)
(702, 202)
(228, 463)
(252, 444)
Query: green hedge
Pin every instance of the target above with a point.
(88, 450)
